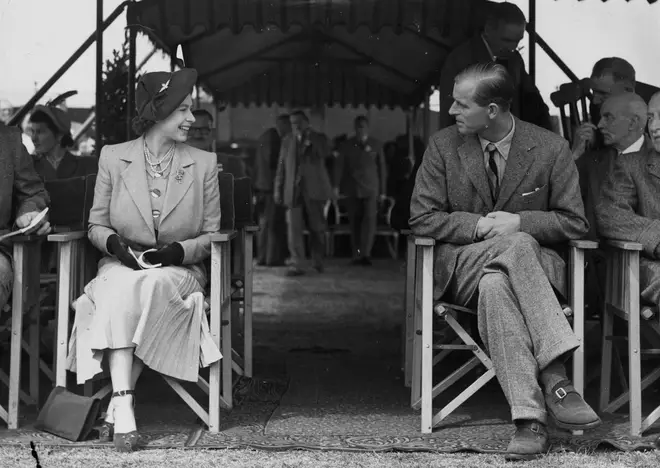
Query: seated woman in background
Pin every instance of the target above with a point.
(51, 136)
(154, 192)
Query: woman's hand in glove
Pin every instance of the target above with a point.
(171, 254)
(117, 247)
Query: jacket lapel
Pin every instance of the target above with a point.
(652, 161)
(135, 180)
(517, 165)
(473, 161)
(179, 181)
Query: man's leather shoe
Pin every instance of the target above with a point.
(569, 409)
(366, 261)
(295, 272)
(529, 442)
(319, 267)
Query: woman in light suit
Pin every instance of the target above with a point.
(154, 192)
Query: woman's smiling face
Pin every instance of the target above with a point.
(177, 125)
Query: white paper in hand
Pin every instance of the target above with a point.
(142, 262)
(35, 222)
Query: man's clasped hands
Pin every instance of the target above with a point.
(497, 223)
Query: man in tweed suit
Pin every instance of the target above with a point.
(361, 175)
(497, 194)
(629, 209)
(302, 184)
(21, 192)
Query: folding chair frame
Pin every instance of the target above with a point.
(418, 349)
(219, 385)
(622, 299)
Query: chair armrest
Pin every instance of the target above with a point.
(406, 232)
(251, 228)
(624, 245)
(419, 240)
(67, 236)
(29, 238)
(222, 236)
(584, 244)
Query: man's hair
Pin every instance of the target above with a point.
(633, 104)
(202, 113)
(300, 114)
(360, 118)
(620, 69)
(506, 13)
(283, 118)
(494, 84)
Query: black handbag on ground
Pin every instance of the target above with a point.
(68, 415)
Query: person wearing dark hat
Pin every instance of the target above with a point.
(156, 199)
(51, 136)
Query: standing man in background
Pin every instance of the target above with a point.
(201, 136)
(503, 31)
(360, 173)
(271, 239)
(302, 184)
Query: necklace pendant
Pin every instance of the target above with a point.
(157, 175)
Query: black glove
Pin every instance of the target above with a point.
(171, 254)
(117, 247)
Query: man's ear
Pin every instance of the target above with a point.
(493, 110)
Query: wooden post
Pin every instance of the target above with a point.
(531, 31)
(99, 75)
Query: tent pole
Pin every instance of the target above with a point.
(130, 95)
(531, 31)
(99, 75)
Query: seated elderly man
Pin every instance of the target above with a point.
(629, 209)
(21, 190)
(498, 194)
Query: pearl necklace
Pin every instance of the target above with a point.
(157, 168)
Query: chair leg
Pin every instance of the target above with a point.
(634, 347)
(427, 339)
(247, 317)
(416, 391)
(606, 342)
(225, 314)
(409, 304)
(18, 300)
(64, 296)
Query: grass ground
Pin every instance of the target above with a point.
(90, 458)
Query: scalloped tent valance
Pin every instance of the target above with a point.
(312, 53)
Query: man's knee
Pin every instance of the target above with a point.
(492, 282)
(522, 240)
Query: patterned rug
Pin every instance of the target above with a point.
(328, 378)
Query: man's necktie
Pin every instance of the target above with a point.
(493, 173)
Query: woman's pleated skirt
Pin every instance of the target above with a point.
(159, 312)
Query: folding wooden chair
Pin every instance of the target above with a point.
(384, 228)
(70, 204)
(567, 99)
(423, 359)
(622, 299)
(218, 387)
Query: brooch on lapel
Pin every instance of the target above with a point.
(179, 175)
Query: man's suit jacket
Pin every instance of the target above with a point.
(527, 103)
(360, 170)
(266, 160)
(629, 207)
(21, 188)
(122, 203)
(540, 183)
(306, 160)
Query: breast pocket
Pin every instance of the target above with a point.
(535, 195)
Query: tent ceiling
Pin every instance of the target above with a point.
(313, 52)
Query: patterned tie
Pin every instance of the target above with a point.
(493, 174)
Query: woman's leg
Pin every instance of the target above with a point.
(136, 370)
(121, 374)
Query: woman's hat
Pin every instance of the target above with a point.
(59, 117)
(158, 94)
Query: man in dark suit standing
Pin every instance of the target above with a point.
(361, 175)
(498, 194)
(271, 239)
(302, 184)
(630, 205)
(21, 192)
(504, 29)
